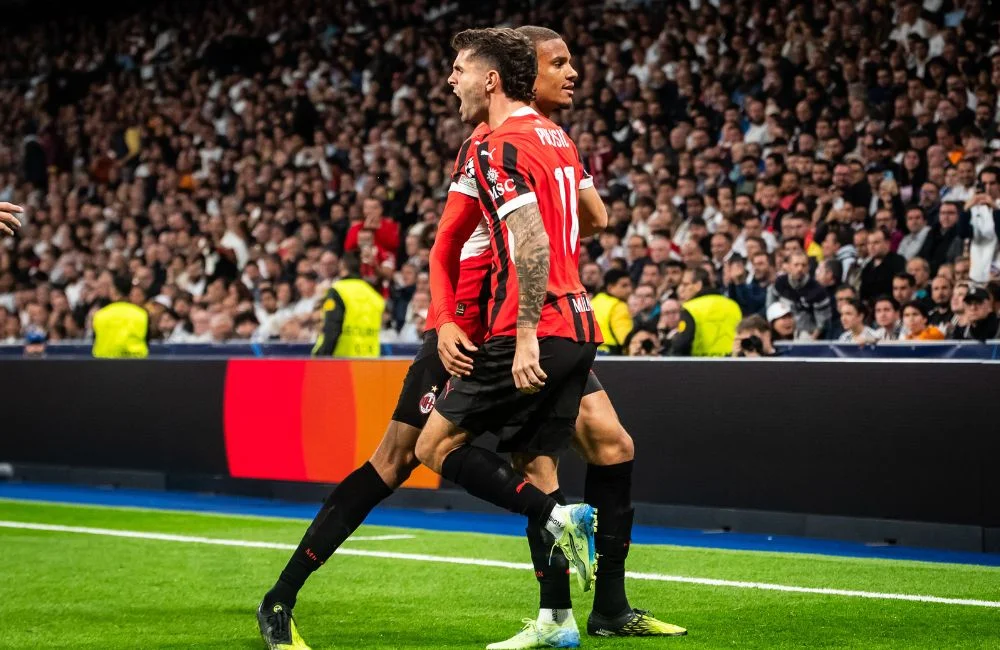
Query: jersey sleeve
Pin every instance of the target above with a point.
(506, 175)
(586, 180)
(458, 221)
(462, 174)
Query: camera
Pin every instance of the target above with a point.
(646, 346)
(752, 343)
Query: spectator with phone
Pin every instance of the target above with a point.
(984, 219)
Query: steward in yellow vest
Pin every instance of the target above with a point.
(611, 311)
(708, 320)
(121, 329)
(352, 315)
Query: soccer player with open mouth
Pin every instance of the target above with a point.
(599, 435)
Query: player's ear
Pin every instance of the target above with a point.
(492, 81)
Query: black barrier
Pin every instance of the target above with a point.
(902, 441)
(145, 415)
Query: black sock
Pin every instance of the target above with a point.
(485, 475)
(551, 569)
(341, 514)
(609, 489)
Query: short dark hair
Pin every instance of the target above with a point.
(614, 276)
(699, 274)
(920, 306)
(352, 262)
(834, 267)
(991, 169)
(753, 323)
(888, 299)
(537, 34)
(511, 54)
(845, 287)
(858, 306)
(910, 280)
(674, 264)
(123, 285)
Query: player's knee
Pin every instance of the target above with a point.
(395, 465)
(424, 451)
(613, 449)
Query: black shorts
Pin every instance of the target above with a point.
(593, 384)
(488, 401)
(423, 383)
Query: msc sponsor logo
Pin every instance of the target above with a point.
(498, 187)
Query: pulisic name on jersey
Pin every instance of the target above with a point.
(552, 137)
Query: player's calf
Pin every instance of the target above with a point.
(396, 458)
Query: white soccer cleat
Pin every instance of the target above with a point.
(542, 635)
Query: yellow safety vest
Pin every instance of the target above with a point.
(614, 320)
(363, 307)
(715, 320)
(120, 332)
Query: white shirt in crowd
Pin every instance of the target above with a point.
(911, 243)
(867, 335)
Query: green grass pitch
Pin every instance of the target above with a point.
(62, 589)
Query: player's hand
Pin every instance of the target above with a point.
(527, 369)
(9, 223)
(451, 343)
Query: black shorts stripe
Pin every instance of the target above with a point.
(591, 323)
(577, 319)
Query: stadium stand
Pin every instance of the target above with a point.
(223, 157)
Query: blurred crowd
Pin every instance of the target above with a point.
(829, 166)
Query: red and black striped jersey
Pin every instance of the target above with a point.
(529, 159)
(460, 287)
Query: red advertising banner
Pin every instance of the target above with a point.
(309, 420)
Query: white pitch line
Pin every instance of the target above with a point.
(187, 539)
(419, 557)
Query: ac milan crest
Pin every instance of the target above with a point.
(427, 402)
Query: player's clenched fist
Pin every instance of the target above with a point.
(9, 223)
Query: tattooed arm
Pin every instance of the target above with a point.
(530, 251)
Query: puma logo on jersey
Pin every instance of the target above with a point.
(488, 153)
(552, 137)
